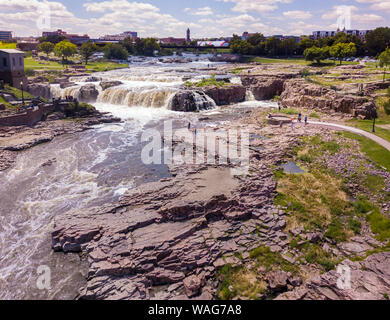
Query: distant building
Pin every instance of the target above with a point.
(5, 35)
(246, 35)
(59, 32)
(188, 35)
(12, 67)
(27, 45)
(173, 41)
(120, 37)
(74, 38)
(326, 34)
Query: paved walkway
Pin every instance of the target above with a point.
(384, 143)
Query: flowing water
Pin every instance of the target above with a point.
(88, 169)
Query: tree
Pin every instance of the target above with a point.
(150, 46)
(237, 45)
(65, 49)
(386, 105)
(378, 40)
(46, 47)
(341, 51)
(289, 46)
(87, 50)
(306, 43)
(54, 38)
(115, 51)
(384, 61)
(273, 46)
(316, 54)
(256, 39)
(129, 45)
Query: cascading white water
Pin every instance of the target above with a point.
(141, 97)
(249, 95)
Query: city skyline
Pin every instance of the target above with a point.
(214, 18)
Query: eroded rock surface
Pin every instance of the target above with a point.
(298, 93)
(226, 95)
(370, 280)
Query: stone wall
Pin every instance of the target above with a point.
(28, 118)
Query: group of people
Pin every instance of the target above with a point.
(306, 118)
(31, 105)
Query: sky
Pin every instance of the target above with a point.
(205, 18)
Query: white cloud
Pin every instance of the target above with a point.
(297, 14)
(259, 6)
(206, 11)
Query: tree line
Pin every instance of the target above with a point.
(118, 51)
(376, 42)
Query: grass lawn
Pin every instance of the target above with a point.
(31, 64)
(366, 125)
(300, 61)
(383, 119)
(374, 151)
(100, 66)
(7, 45)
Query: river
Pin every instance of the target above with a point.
(89, 169)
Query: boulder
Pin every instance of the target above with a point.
(192, 285)
(39, 89)
(88, 93)
(191, 101)
(226, 95)
(231, 58)
(108, 84)
(64, 85)
(93, 79)
(277, 281)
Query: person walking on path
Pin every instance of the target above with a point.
(300, 117)
(292, 123)
(189, 125)
(306, 118)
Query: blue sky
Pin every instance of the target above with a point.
(206, 18)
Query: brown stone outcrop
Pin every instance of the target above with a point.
(226, 95)
(263, 88)
(88, 93)
(369, 281)
(298, 93)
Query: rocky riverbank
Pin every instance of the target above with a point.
(176, 238)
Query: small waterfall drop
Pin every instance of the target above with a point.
(249, 95)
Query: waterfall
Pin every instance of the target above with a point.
(249, 95)
(57, 92)
(140, 97)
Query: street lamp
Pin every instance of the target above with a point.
(21, 86)
(373, 124)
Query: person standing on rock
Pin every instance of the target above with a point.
(189, 125)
